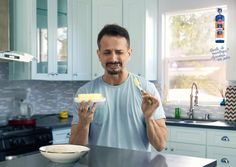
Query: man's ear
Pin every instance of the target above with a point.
(98, 54)
(130, 53)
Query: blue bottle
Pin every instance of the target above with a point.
(219, 26)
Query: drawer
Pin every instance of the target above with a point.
(224, 138)
(225, 156)
(188, 135)
(187, 149)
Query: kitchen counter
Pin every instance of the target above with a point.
(52, 121)
(210, 124)
(113, 157)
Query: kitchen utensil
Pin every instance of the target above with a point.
(26, 109)
(138, 85)
(63, 153)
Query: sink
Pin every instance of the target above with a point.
(189, 121)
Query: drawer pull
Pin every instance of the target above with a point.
(224, 160)
(166, 148)
(225, 138)
(68, 135)
(172, 149)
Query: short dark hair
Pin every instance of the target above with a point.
(113, 30)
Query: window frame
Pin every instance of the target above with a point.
(166, 7)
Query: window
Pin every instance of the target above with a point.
(189, 37)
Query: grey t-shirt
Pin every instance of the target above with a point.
(119, 121)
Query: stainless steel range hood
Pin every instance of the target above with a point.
(6, 55)
(16, 56)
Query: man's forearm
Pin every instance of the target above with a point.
(79, 134)
(157, 133)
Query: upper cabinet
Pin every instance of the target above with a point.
(52, 36)
(103, 12)
(140, 19)
(62, 36)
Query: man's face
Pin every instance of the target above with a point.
(113, 54)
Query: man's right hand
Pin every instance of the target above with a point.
(85, 113)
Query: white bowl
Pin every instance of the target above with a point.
(63, 153)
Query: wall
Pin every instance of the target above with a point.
(47, 97)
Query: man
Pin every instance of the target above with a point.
(129, 118)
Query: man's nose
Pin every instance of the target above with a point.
(114, 56)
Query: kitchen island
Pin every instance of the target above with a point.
(112, 157)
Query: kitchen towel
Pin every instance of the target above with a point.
(230, 105)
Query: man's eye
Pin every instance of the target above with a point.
(119, 53)
(107, 53)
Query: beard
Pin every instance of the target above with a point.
(114, 68)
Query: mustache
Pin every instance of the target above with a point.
(114, 63)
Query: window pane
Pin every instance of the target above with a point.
(42, 36)
(62, 37)
(189, 37)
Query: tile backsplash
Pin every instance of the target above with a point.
(49, 97)
(46, 97)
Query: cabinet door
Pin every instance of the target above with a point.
(53, 40)
(134, 21)
(103, 12)
(140, 18)
(187, 141)
(225, 156)
(61, 135)
(82, 49)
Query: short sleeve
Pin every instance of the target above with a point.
(159, 113)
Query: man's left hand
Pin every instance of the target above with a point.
(149, 105)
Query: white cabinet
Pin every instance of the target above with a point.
(206, 143)
(103, 12)
(52, 39)
(82, 28)
(58, 34)
(140, 19)
(43, 28)
(186, 141)
(61, 135)
(62, 35)
(221, 145)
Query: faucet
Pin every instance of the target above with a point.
(191, 109)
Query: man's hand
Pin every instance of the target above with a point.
(149, 105)
(86, 113)
(80, 131)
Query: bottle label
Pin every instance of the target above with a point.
(219, 26)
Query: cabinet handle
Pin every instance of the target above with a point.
(224, 138)
(224, 160)
(68, 135)
(172, 149)
(166, 148)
